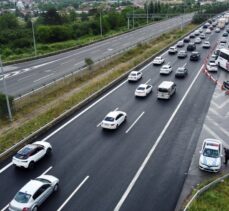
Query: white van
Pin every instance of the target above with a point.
(166, 89)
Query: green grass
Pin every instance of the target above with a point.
(215, 199)
(83, 85)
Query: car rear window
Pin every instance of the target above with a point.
(22, 197)
(109, 119)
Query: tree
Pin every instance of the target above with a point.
(51, 17)
(8, 21)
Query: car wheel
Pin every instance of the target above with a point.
(31, 165)
(56, 187)
(35, 208)
(48, 152)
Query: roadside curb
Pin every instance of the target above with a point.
(82, 104)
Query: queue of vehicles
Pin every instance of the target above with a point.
(36, 191)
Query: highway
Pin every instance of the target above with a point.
(24, 77)
(140, 166)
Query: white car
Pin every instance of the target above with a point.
(113, 119)
(206, 44)
(172, 50)
(202, 36)
(31, 153)
(208, 31)
(210, 155)
(212, 66)
(166, 69)
(135, 76)
(143, 90)
(180, 44)
(158, 60)
(197, 40)
(197, 32)
(221, 45)
(34, 193)
(217, 30)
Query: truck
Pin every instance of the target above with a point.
(221, 23)
(226, 16)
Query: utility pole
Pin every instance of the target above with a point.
(34, 40)
(147, 10)
(100, 21)
(133, 17)
(5, 89)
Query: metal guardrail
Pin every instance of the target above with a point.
(205, 188)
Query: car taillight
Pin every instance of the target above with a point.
(25, 209)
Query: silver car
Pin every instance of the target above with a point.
(34, 193)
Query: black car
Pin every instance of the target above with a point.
(225, 34)
(186, 40)
(195, 56)
(226, 84)
(181, 72)
(227, 29)
(191, 46)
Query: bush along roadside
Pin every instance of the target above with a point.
(33, 116)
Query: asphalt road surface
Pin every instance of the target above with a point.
(24, 77)
(140, 166)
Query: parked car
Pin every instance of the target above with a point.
(173, 50)
(143, 90)
(195, 56)
(211, 155)
(166, 69)
(226, 84)
(158, 60)
(181, 72)
(34, 193)
(182, 54)
(135, 76)
(191, 46)
(206, 44)
(31, 153)
(113, 119)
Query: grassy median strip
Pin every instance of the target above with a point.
(215, 199)
(52, 102)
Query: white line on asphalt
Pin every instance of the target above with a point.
(211, 132)
(148, 81)
(135, 122)
(216, 113)
(20, 79)
(137, 175)
(184, 64)
(6, 167)
(46, 171)
(3, 209)
(73, 193)
(71, 60)
(218, 126)
(43, 77)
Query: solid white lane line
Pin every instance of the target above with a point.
(148, 81)
(46, 171)
(184, 64)
(43, 77)
(6, 167)
(5, 208)
(73, 193)
(137, 175)
(135, 122)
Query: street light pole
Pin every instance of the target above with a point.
(5, 89)
(147, 10)
(34, 40)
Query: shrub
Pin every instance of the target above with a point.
(3, 105)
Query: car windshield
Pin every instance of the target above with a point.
(141, 88)
(22, 197)
(109, 119)
(212, 153)
(24, 152)
(133, 74)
